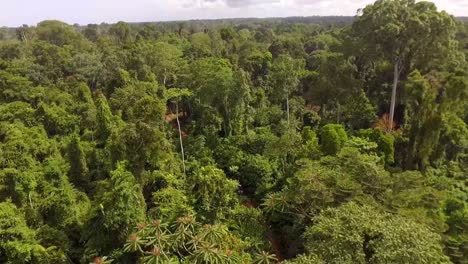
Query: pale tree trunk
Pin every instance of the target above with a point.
(180, 137)
(396, 76)
(23, 37)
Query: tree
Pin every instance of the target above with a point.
(186, 241)
(331, 79)
(119, 206)
(201, 45)
(224, 141)
(25, 33)
(305, 259)
(361, 234)
(457, 212)
(175, 95)
(91, 32)
(404, 32)
(433, 113)
(104, 118)
(212, 192)
(56, 120)
(163, 59)
(17, 241)
(121, 32)
(284, 80)
(78, 172)
(139, 101)
(57, 33)
(385, 143)
(144, 146)
(332, 138)
(216, 85)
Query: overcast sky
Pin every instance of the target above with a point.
(17, 12)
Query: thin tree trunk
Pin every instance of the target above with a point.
(287, 107)
(180, 137)
(396, 75)
(30, 200)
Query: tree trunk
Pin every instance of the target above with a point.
(180, 136)
(396, 75)
(287, 107)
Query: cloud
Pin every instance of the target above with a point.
(242, 3)
(14, 13)
(310, 2)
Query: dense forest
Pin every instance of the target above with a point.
(295, 141)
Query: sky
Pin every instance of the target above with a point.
(18, 12)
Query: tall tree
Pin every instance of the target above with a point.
(118, 207)
(406, 33)
(361, 234)
(104, 118)
(175, 95)
(78, 171)
(217, 85)
(284, 80)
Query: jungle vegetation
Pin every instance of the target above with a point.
(324, 140)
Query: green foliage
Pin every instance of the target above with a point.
(22, 147)
(121, 32)
(305, 259)
(329, 182)
(432, 118)
(118, 207)
(78, 172)
(311, 147)
(217, 86)
(57, 33)
(137, 101)
(17, 243)
(213, 194)
(457, 212)
(248, 224)
(56, 120)
(185, 241)
(255, 172)
(361, 234)
(201, 45)
(405, 30)
(385, 143)
(143, 145)
(332, 138)
(18, 111)
(272, 119)
(161, 58)
(324, 88)
(104, 118)
(358, 112)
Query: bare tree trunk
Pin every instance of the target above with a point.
(180, 137)
(396, 75)
(23, 36)
(30, 200)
